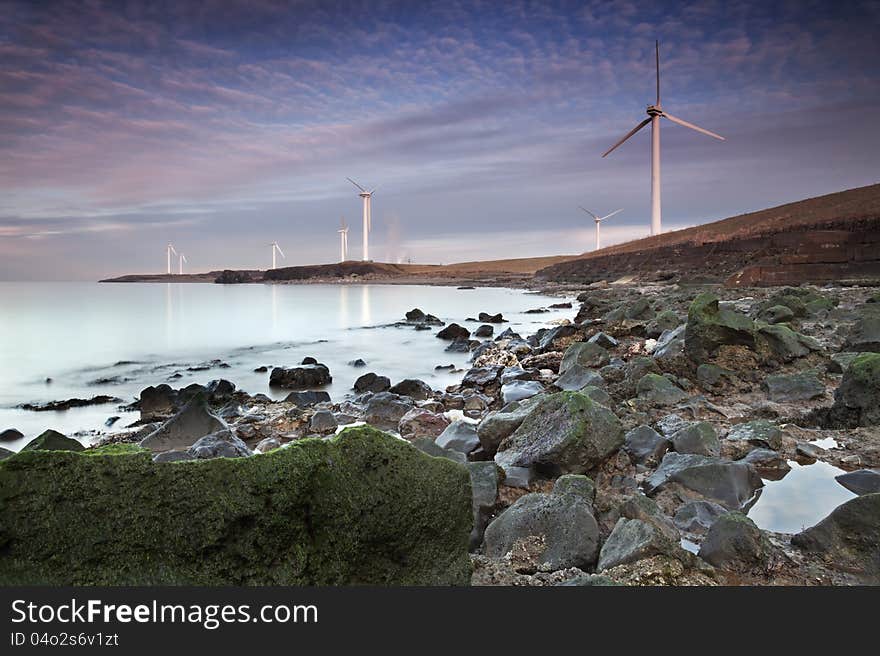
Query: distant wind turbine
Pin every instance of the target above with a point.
(275, 248)
(368, 221)
(343, 240)
(654, 115)
(181, 259)
(169, 250)
(599, 220)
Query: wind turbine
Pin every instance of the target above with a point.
(181, 259)
(654, 115)
(599, 220)
(368, 221)
(343, 239)
(275, 247)
(169, 250)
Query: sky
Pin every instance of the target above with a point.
(222, 126)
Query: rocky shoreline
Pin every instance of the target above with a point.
(626, 446)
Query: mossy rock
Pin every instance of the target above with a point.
(52, 440)
(859, 390)
(709, 326)
(361, 508)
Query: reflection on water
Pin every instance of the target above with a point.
(799, 500)
(366, 319)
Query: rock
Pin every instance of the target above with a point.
(759, 432)
(415, 315)
(482, 376)
(840, 361)
(808, 451)
(10, 435)
(485, 317)
(183, 429)
(307, 375)
(520, 389)
(863, 481)
(308, 360)
(632, 540)
(659, 390)
(603, 340)
(343, 511)
(791, 388)
(709, 327)
(566, 433)
(699, 438)
(770, 464)
(459, 345)
(585, 354)
(859, 391)
(51, 440)
(413, 388)
(777, 314)
(159, 400)
(454, 331)
(564, 521)
(786, 344)
(576, 484)
(267, 444)
(670, 344)
(220, 389)
(308, 398)
(577, 377)
(5, 453)
(261, 369)
(670, 424)
(418, 422)
(645, 445)
(385, 410)
(732, 484)
(550, 339)
(323, 422)
(485, 479)
(735, 543)
(521, 477)
(427, 445)
(67, 404)
(173, 456)
(666, 320)
(371, 382)
(222, 444)
(697, 516)
(229, 277)
(865, 334)
(357, 363)
(598, 395)
(459, 436)
(646, 509)
(498, 425)
(484, 331)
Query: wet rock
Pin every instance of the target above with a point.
(415, 315)
(268, 444)
(857, 397)
(52, 440)
(485, 479)
(482, 376)
(597, 394)
(5, 453)
(632, 540)
(790, 388)
(735, 543)
(807, 451)
(584, 354)
(485, 317)
(603, 340)
(261, 369)
(670, 344)
(666, 320)
(863, 481)
(840, 361)
(498, 425)
(67, 404)
(371, 383)
(307, 375)
(454, 331)
(697, 516)
(520, 389)
(565, 523)
(865, 334)
(776, 314)
(732, 484)
(643, 508)
(10, 435)
(308, 398)
(158, 400)
(758, 433)
(222, 444)
(484, 331)
(173, 456)
(566, 433)
(357, 363)
(385, 410)
(548, 340)
(710, 327)
(193, 421)
(419, 422)
(645, 445)
(659, 390)
(770, 464)
(459, 436)
(427, 445)
(699, 438)
(413, 388)
(323, 422)
(577, 377)
(220, 389)
(785, 343)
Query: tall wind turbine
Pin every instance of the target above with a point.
(654, 115)
(169, 250)
(599, 220)
(181, 259)
(275, 248)
(343, 240)
(368, 221)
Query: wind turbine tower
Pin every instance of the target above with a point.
(598, 220)
(275, 248)
(368, 222)
(343, 240)
(181, 259)
(169, 250)
(655, 113)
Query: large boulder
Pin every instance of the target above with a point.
(222, 444)
(459, 436)
(586, 354)
(659, 390)
(757, 433)
(644, 444)
(184, 429)
(385, 410)
(454, 331)
(371, 382)
(300, 377)
(158, 400)
(577, 377)
(731, 484)
(498, 425)
(566, 433)
(735, 543)
(697, 516)
(362, 508)
(865, 334)
(482, 376)
(862, 481)
(791, 388)
(419, 422)
(699, 437)
(859, 392)
(632, 540)
(10, 435)
(52, 440)
(307, 398)
(785, 343)
(564, 522)
(413, 388)
(849, 538)
(517, 390)
(709, 327)
(485, 479)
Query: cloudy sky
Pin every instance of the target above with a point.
(222, 126)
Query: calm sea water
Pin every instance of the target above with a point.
(116, 339)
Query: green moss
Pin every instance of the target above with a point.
(362, 508)
(709, 326)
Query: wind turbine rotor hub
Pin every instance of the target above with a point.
(654, 110)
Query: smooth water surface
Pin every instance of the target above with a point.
(116, 339)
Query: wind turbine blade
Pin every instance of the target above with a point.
(356, 185)
(280, 251)
(657, 54)
(172, 249)
(608, 216)
(692, 126)
(183, 257)
(374, 189)
(628, 135)
(588, 211)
